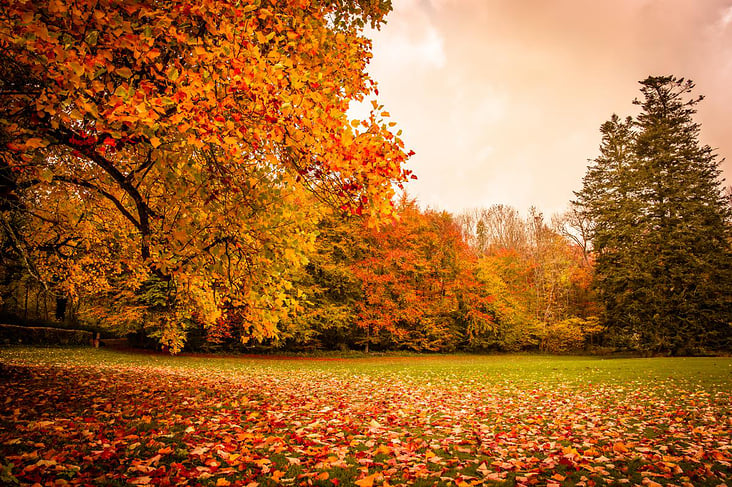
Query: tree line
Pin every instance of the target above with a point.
(425, 280)
(189, 173)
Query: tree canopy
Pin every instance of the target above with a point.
(164, 155)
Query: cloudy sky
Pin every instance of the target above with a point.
(502, 100)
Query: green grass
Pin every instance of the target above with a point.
(712, 373)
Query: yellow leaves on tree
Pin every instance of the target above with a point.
(164, 155)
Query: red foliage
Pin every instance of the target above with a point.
(417, 278)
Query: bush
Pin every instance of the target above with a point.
(567, 335)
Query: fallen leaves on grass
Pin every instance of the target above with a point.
(74, 424)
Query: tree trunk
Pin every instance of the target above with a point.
(61, 308)
(38, 304)
(25, 306)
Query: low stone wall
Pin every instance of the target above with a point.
(41, 335)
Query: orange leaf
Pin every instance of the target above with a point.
(124, 72)
(366, 481)
(35, 142)
(384, 449)
(620, 447)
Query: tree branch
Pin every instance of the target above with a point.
(109, 196)
(67, 137)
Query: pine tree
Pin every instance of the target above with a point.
(661, 226)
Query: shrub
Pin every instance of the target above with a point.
(567, 335)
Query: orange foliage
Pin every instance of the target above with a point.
(164, 148)
(417, 282)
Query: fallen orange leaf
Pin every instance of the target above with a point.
(620, 447)
(366, 481)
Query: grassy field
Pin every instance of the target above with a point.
(85, 416)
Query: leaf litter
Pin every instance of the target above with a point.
(112, 424)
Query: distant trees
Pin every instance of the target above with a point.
(407, 284)
(415, 283)
(660, 226)
(538, 276)
(499, 226)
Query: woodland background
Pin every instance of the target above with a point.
(188, 175)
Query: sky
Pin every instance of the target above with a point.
(502, 100)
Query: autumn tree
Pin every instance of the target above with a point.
(408, 283)
(576, 226)
(660, 225)
(506, 275)
(330, 290)
(538, 277)
(163, 155)
(407, 272)
(496, 227)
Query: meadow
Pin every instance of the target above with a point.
(73, 416)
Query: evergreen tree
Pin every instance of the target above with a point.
(661, 226)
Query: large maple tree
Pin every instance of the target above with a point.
(159, 156)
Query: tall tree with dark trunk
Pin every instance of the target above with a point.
(661, 225)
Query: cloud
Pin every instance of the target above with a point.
(410, 39)
(726, 18)
(533, 81)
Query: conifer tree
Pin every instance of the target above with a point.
(661, 226)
